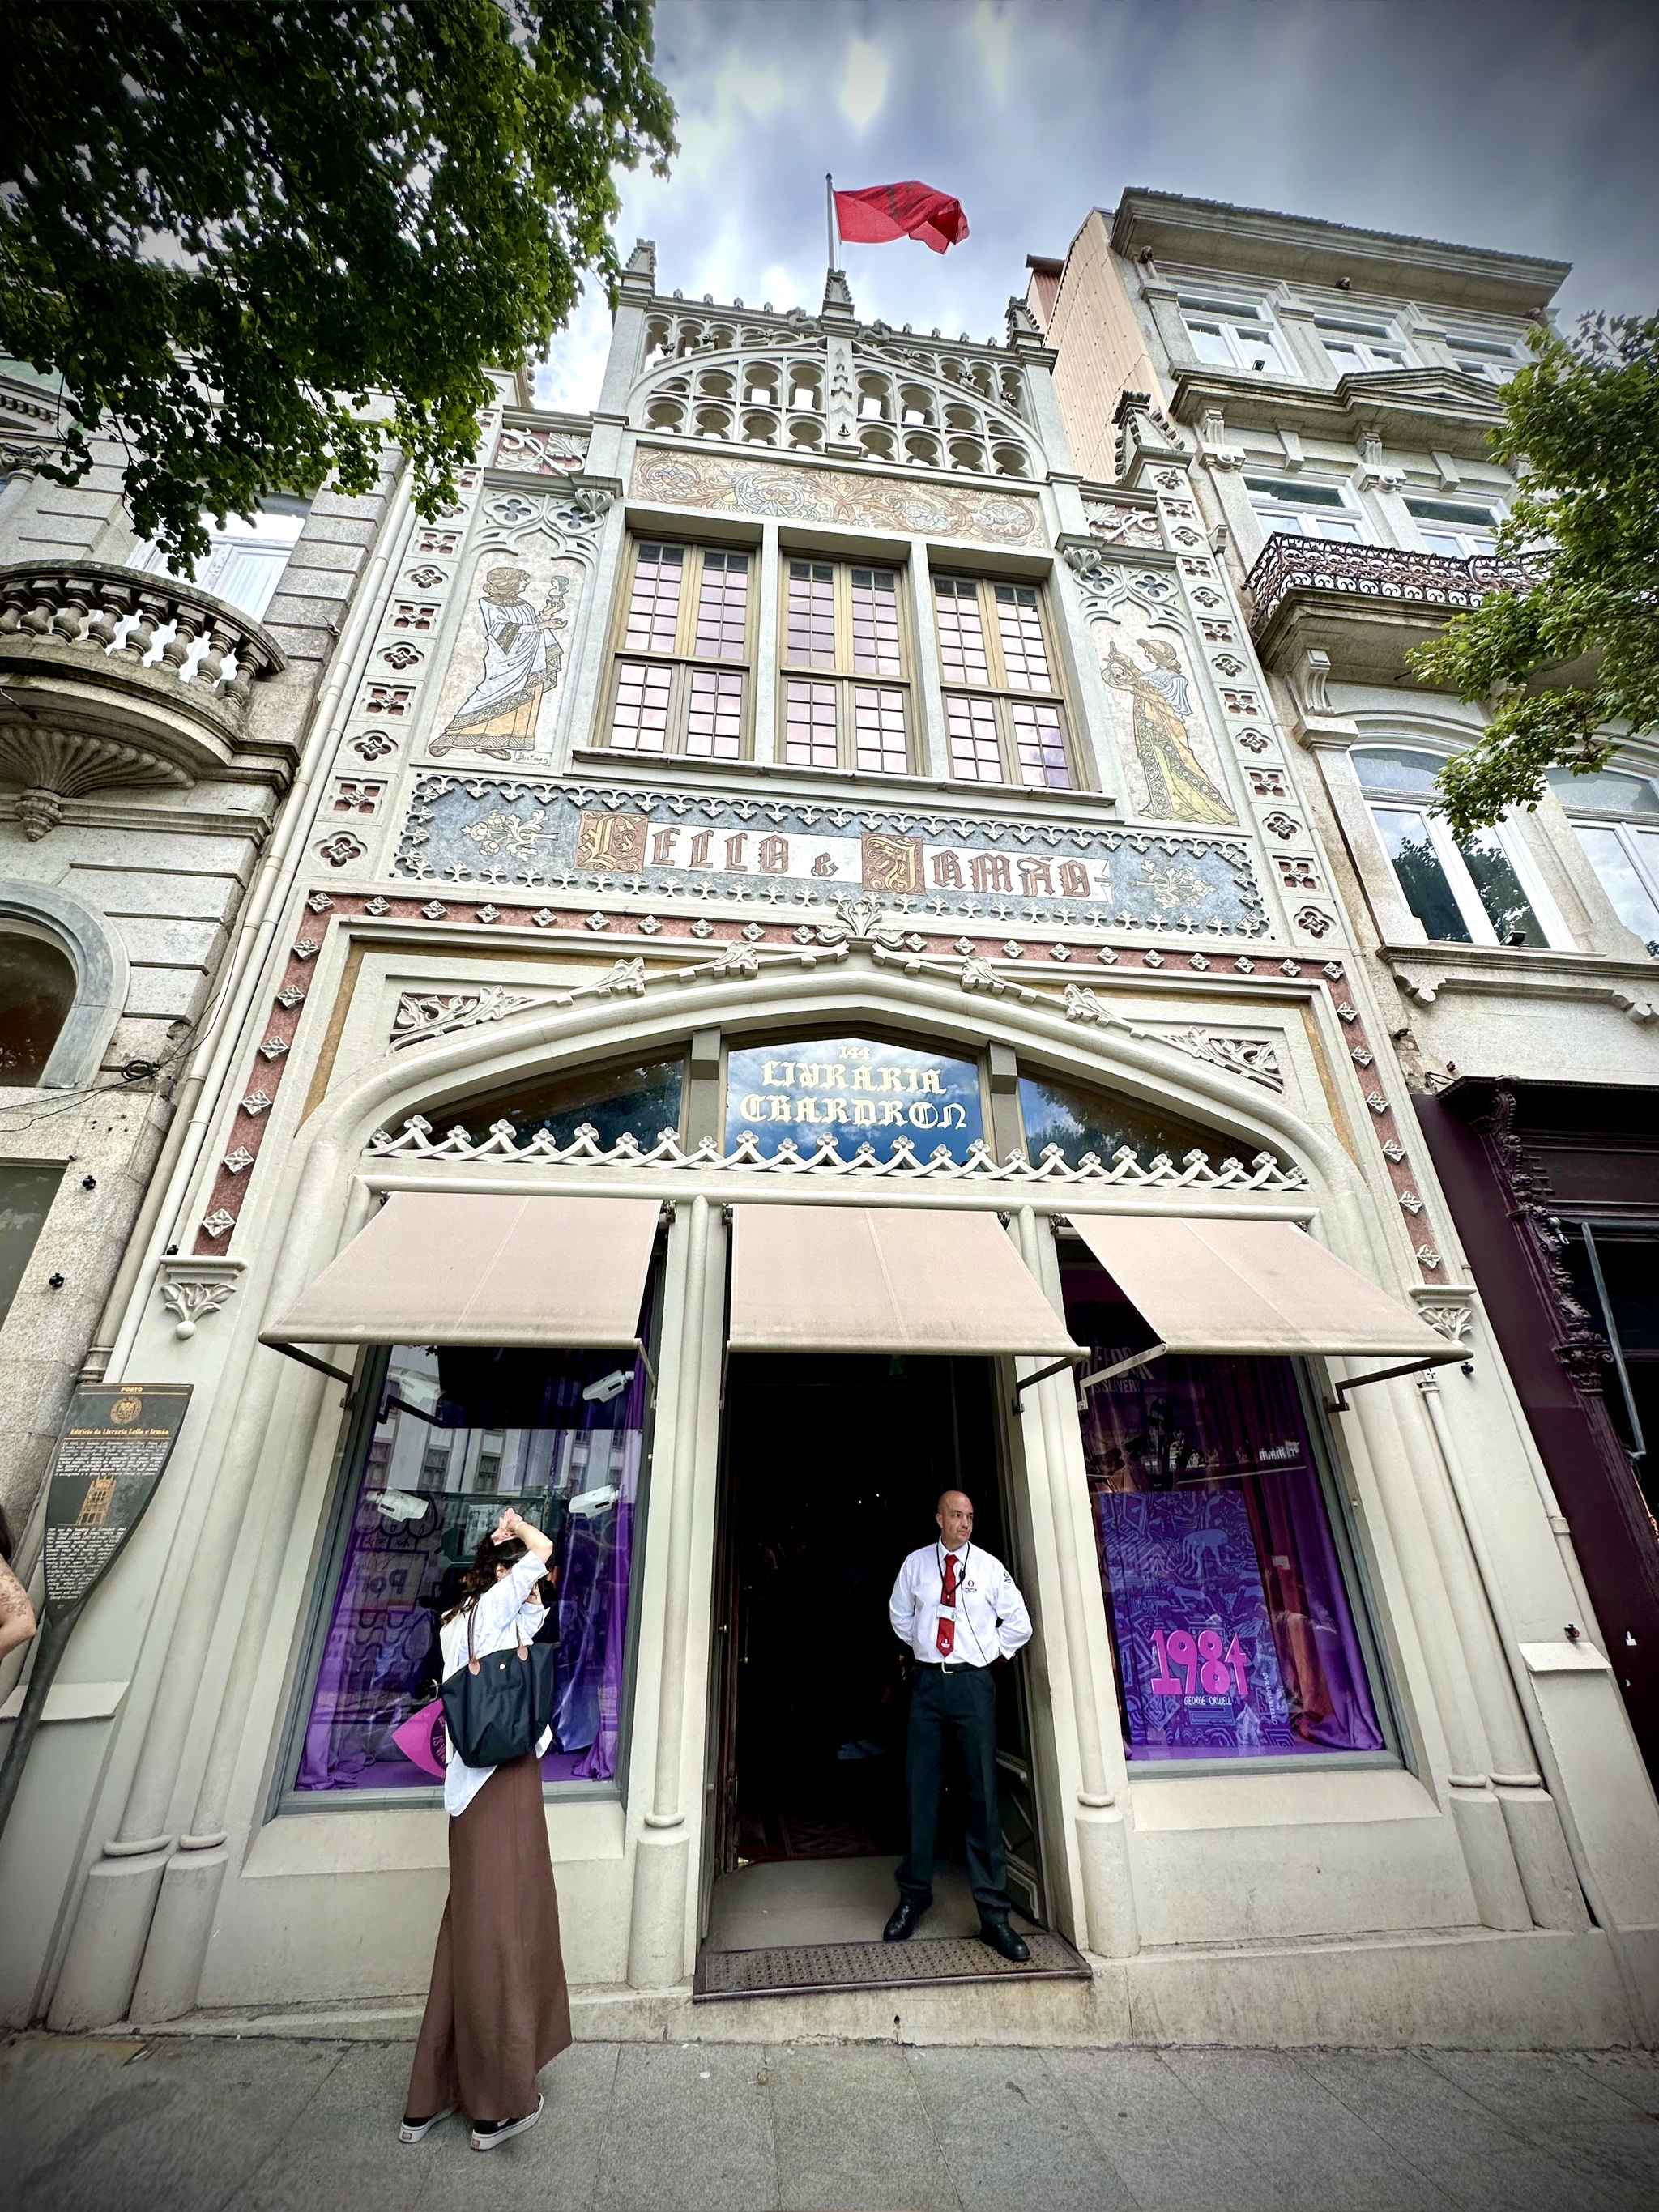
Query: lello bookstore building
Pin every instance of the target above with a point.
(797, 986)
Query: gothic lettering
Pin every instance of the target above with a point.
(663, 842)
(615, 842)
(1073, 879)
(773, 856)
(989, 871)
(947, 872)
(1035, 876)
(699, 844)
(734, 861)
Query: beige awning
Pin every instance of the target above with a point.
(885, 1278)
(435, 1267)
(1261, 1287)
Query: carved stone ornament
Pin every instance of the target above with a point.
(1254, 1058)
(1582, 1350)
(1450, 1314)
(53, 765)
(423, 1015)
(191, 1289)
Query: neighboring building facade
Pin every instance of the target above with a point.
(1339, 387)
(148, 732)
(791, 913)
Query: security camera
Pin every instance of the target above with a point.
(607, 1387)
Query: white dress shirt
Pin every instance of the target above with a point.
(506, 1615)
(990, 1615)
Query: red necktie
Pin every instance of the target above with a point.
(946, 1637)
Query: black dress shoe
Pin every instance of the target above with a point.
(902, 1925)
(1001, 1937)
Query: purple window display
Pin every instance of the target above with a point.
(461, 1433)
(1230, 1619)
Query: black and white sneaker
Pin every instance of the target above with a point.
(414, 2130)
(486, 2134)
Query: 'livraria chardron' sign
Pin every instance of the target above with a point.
(854, 1090)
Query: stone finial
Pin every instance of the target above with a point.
(837, 296)
(642, 261)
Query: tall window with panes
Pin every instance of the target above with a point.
(1004, 714)
(844, 674)
(681, 678)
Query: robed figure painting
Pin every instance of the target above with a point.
(1178, 789)
(521, 661)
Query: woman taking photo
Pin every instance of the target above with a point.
(498, 2009)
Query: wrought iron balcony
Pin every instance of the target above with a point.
(1423, 586)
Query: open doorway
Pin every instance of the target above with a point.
(833, 1466)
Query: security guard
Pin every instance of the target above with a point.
(960, 1611)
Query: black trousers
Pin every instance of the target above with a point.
(962, 1704)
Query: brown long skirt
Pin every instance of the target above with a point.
(499, 2007)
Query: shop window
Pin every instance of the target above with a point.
(638, 1099)
(1478, 890)
(855, 1089)
(1079, 1121)
(844, 622)
(1228, 1588)
(27, 1190)
(1010, 727)
(36, 992)
(680, 679)
(1614, 1266)
(1615, 817)
(457, 1434)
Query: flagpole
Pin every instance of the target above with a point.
(830, 218)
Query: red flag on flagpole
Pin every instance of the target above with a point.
(876, 213)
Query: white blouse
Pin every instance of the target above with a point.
(505, 1615)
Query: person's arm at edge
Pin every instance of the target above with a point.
(17, 1620)
(1013, 1620)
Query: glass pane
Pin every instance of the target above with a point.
(637, 1098)
(248, 570)
(811, 616)
(1398, 768)
(1210, 343)
(1024, 655)
(1040, 743)
(809, 739)
(37, 990)
(878, 726)
(855, 1089)
(975, 750)
(27, 1190)
(1620, 880)
(1607, 791)
(1508, 907)
(1078, 1120)
(639, 722)
(1297, 494)
(961, 639)
(460, 1434)
(1334, 527)
(713, 721)
(1446, 542)
(875, 622)
(654, 609)
(1233, 1631)
(723, 607)
(1422, 878)
(1258, 352)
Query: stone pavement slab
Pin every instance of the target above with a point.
(209, 2123)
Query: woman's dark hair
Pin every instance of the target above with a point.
(8, 1543)
(481, 1574)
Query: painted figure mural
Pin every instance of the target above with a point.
(521, 659)
(1178, 786)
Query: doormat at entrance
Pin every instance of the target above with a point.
(802, 1969)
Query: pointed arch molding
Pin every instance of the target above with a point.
(325, 1157)
(102, 974)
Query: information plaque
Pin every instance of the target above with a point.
(112, 1451)
(111, 1454)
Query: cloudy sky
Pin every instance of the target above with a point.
(1502, 122)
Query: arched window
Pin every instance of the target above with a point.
(637, 1098)
(1615, 817)
(1478, 890)
(37, 990)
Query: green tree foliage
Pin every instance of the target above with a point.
(1579, 650)
(254, 242)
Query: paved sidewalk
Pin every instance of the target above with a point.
(211, 2125)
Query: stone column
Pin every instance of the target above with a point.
(662, 1862)
(1100, 1821)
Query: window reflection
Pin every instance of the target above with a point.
(459, 1433)
(1231, 1624)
